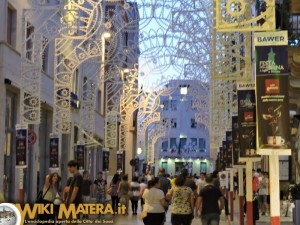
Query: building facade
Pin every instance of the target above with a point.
(88, 95)
(185, 143)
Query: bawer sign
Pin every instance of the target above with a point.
(270, 38)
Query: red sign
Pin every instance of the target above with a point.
(272, 86)
(248, 117)
(32, 137)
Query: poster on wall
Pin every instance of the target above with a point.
(54, 149)
(120, 161)
(235, 140)
(21, 146)
(105, 165)
(247, 119)
(79, 155)
(224, 149)
(229, 149)
(272, 90)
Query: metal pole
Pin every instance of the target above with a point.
(274, 189)
(241, 193)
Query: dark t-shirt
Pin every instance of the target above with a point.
(77, 181)
(100, 186)
(86, 187)
(190, 183)
(165, 184)
(210, 199)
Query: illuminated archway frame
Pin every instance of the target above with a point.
(63, 112)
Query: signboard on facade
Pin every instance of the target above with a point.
(272, 90)
(21, 146)
(54, 151)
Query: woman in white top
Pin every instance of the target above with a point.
(135, 194)
(50, 192)
(154, 203)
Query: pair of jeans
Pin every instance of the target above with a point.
(115, 201)
(181, 219)
(101, 198)
(210, 219)
(134, 205)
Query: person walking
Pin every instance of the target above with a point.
(75, 190)
(154, 203)
(114, 185)
(207, 203)
(86, 189)
(135, 195)
(263, 193)
(182, 202)
(50, 193)
(123, 192)
(165, 183)
(200, 183)
(100, 186)
(143, 186)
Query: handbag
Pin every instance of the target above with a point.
(40, 196)
(143, 214)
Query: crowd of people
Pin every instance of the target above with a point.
(190, 196)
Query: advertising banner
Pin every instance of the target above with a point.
(229, 149)
(120, 161)
(105, 159)
(79, 155)
(21, 146)
(247, 119)
(235, 140)
(272, 90)
(54, 149)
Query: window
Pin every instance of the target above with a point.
(166, 105)
(11, 26)
(165, 122)
(173, 123)
(193, 144)
(193, 123)
(98, 103)
(294, 30)
(164, 146)
(173, 144)
(173, 105)
(29, 40)
(202, 145)
(182, 143)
